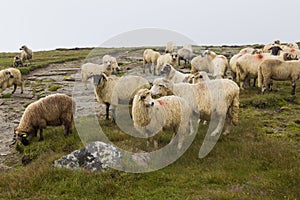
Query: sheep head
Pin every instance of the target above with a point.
(162, 87)
(23, 137)
(166, 70)
(200, 76)
(23, 47)
(174, 56)
(144, 96)
(99, 80)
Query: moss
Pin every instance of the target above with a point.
(24, 70)
(54, 88)
(7, 96)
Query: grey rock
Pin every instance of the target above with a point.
(96, 156)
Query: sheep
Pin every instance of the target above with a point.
(266, 48)
(15, 79)
(112, 90)
(186, 54)
(293, 51)
(213, 99)
(5, 75)
(170, 73)
(26, 53)
(289, 56)
(247, 67)
(52, 110)
(150, 57)
(275, 50)
(293, 45)
(165, 59)
(17, 62)
(220, 63)
(279, 70)
(203, 63)
(233, 59)
(170, 112)
(170, 47)
(90, 69)
(110, 60)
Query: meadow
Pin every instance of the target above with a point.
(259, 159)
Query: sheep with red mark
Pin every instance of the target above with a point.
(150, 59)
(213, 99)
(53, 110)
(233, 60)
(150, 115)
(170, 73)
(278, 70)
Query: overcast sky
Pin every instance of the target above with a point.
(44, 25)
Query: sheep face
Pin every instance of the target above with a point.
(145, 97)
(174, 56)
(23, 137)
(165, 70)
(23, 47)
(161, 87)
(98, 80)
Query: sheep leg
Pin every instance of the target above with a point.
(254, 81)
(107, 111)
(293, 87)
(41, 135)
(15, 87)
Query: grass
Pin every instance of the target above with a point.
(259, 159)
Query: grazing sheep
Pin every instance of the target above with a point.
(203, 63)
(186, 54)
(150, 57)
(246, 67)
(164, 60)
(17, 62)
(171, 47)
(170, 112)
(26, 53)
(214, 99)
(233, 59)
(14, 79)
(112, 90)
(173, 75)
(109, 60)
(53, 110)
(278, 70)
(90, 69)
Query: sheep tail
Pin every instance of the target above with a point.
(235, 110)
(259, 77)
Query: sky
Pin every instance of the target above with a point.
(45, 25)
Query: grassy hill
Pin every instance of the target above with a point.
(260, 159)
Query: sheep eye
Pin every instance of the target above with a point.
(143, 97)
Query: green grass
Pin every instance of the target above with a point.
(54, 88)
(259, 159)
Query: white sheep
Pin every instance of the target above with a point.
(53, 110)
(15, 79)
(5, 75)
(170, 47)
(90, 69)
(214, 99)
(165, 59)
(26, 53)
(203, 63)
(233, 60)
(170, 73)
(220, 63)
(278, 70)
(109, 60)
(247, 65)
(112, 90)
(150, 57)
(293, 45)
(170, 112)
(186, 54)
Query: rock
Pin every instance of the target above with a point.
(96, 156)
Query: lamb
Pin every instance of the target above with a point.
(186, 54)
(171, 47)
(109, 60)
(150, 57)
(90, 69)
(170, 112)
(203, 63)
(15, 79)
(53, 110)
(165, 59)
(17, 62)
(279, 70)
(233, 60)
(170, 73)
(213, 100)
(26, 53)
(112, 90)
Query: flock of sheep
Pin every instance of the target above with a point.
(209, 91)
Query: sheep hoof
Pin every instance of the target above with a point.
(213, 134)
